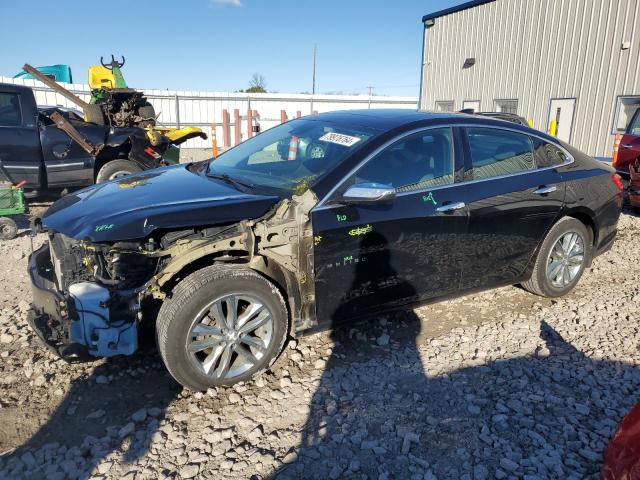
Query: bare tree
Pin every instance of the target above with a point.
(257, 84)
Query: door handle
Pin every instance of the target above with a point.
(544, 190)
(626, 145)
(450, 207)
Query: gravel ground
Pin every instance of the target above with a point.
(501, 384)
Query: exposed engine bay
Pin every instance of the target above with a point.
(103, 291)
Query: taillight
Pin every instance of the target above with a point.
(616, 148)
(617, 181)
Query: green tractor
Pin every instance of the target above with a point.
(113, 102)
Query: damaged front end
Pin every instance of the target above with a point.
(87, 297)
(91, 297)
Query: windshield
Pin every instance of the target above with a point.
(291, 156)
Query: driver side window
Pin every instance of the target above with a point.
(423, 160)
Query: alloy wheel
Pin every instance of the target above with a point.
(230, 336)
(566, 259)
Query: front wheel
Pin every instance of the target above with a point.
(115, 169)
(8, 228)
(563, 256)
(221, 325)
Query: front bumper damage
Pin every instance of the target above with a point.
(49, 315)
(76, 324)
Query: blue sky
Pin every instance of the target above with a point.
(216, 45)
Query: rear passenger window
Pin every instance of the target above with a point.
(423, 160)
(548, 155)
(10, 110)
(499, 152)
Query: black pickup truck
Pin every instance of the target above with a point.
(53, 148)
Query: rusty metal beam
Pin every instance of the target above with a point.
(75, 135)
(55, 86)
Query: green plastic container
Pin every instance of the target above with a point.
(11, 203)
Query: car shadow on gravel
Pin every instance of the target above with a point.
(117, 408)
(398, 413)
(546, 416)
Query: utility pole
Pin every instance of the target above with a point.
(313, 87)
(313, 83)
(370, 87)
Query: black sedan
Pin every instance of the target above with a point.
(321, 220)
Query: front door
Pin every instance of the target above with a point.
(629, 147)
(511, 201)
(20, 140)
(372, 257)
(561, 118)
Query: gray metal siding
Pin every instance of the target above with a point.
(534, 51)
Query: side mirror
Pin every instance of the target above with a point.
(363, 193)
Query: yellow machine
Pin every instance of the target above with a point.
(113, 103)
(100, 76)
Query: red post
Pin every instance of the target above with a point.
(250, 123)
(237, 126)
(298, 114)
(283, 116)
(226, 131)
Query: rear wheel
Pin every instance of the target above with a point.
(562, 258)
(221, 325)
(115, 169)
(8, 228)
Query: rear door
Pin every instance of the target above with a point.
(19, 137)
(373, 257)
(66, 162)
(512, 198)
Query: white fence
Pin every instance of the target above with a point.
(201, 109)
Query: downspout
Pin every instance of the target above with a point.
(427, 24)
(424, 34)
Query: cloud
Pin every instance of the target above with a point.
(224, 3)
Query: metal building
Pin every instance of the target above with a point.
(573, 61)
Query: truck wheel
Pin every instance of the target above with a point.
(563, 255)
(115, 169)
(148, 113)
(8, 228)
(93, 114)
(221, 325)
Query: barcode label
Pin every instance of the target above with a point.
(340, 139)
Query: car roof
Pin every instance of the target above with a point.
(13, 88)
(383, 119)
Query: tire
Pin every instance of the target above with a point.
(93, 114)
(193, 303)
(8, 228)
(115, 169)
(147, 111)
(542, 281)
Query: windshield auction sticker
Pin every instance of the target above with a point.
(340, 139)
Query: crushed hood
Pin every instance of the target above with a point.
(167, 198)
